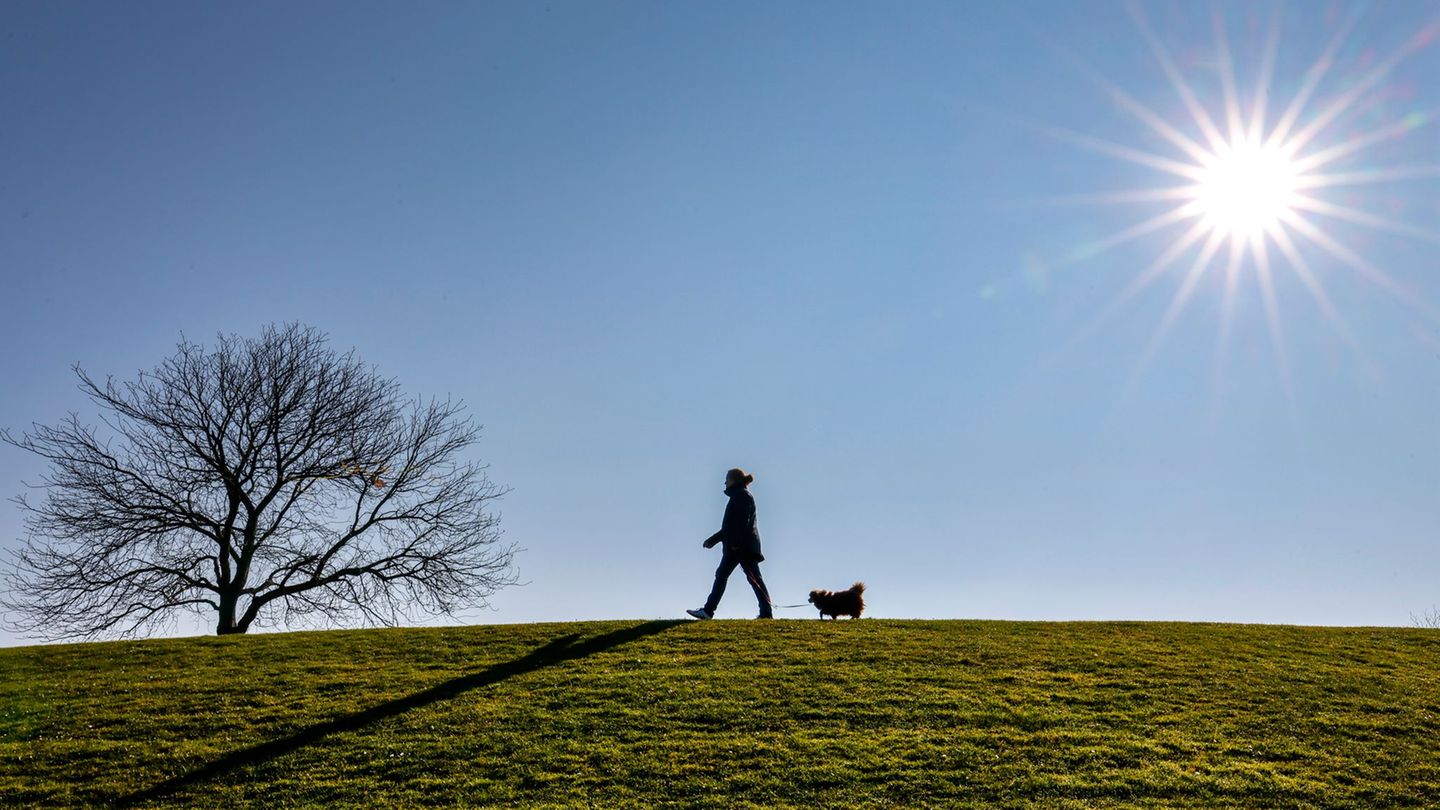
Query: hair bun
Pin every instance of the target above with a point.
(749, 478)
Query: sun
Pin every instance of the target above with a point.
(1248, 184)
(1246, 189)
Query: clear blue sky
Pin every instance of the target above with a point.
(822, 241)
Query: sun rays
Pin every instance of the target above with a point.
(1244, 184)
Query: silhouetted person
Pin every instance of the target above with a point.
(739, 537)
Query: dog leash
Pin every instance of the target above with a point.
(762, 589)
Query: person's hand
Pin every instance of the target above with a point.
(708, 544)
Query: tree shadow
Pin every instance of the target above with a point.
(557, 651)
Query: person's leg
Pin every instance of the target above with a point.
(751, 567)
(728, 562)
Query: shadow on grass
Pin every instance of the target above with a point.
(562, 649)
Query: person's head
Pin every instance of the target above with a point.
(737, 478)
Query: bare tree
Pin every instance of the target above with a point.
(270, 480)
(1430, 619)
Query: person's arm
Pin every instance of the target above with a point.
(729, 525)
(733, 527)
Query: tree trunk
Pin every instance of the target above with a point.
(226, 625)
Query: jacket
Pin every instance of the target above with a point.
(738, 530)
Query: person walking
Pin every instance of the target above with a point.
(739, 539)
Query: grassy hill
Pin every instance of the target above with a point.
(733, 714)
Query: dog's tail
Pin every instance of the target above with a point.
(858, 587)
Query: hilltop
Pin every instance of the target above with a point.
(733, 714)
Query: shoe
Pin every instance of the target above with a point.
(701, 613)
(764, 617)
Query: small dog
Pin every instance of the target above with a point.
(840, 603)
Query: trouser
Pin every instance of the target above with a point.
(751, 567)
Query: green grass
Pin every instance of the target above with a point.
(733, 714)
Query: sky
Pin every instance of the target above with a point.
(876, 254)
